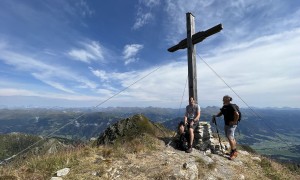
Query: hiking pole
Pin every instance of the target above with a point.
(214, 120)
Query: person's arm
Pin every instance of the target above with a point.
(214, 116)
(185, 117)
(236, 117)
(219, 114)
(196, 119)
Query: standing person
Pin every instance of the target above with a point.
(191, 119)
(231, 117)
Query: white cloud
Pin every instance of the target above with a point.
(53, 75)
(84, 8)
(15, 92)
(81, 55)
(142, 19)
(54, 84)
(242, 20)
(4, 92)
(150, 3)
(160, 86)
(264, 72)
(144, 13)
(130, 51)
(254, 54)
(259, 70)
(100, 73)
(91, 51)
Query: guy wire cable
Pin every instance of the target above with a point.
(178, 111)
(242, 99)
(183, 94)
(231, 90)
(48, 135)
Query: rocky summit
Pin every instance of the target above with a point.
(136, 148)
(130, 128)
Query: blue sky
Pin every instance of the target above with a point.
(78, 53)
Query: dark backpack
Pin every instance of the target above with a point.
(238, 110)
(182, 143)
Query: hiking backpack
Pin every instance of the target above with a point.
(182, 143)
(238, 110)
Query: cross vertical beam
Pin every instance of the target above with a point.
(191, 56)
(189, 42)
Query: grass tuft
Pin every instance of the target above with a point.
(269, 170)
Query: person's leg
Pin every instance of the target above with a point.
(232, 143)
(229, 130)
(181, 129)
(191, 139)
(191, 132)
(183, 137)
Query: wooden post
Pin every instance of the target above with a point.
(188, 43)
(191, 56)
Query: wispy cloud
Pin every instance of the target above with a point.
(23, 92)
(142, 19)
(114, 76)
(144, 14)
(150, 3)
(256, 53)
(53, 75)
(130, 51)
(242, 20)
(146, 90)
(46, 79)
(100, 74)
(84, 8)
(15, 92)
(266, 68)
(90, 51)
(256, 69)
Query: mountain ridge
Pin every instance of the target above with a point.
(145, 156)
(254, 131)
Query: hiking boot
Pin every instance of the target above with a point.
(233, 155)
(229, 153)
(189, 150)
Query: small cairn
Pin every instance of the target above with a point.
(204, 140)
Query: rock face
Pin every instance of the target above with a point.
(130, 128)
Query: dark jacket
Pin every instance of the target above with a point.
(228, 113)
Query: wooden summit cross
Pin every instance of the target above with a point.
(188, 43)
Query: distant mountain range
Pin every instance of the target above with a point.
(132, 148)
(270, 131)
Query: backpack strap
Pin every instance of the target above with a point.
(234, 107)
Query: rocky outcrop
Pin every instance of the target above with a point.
(130, 128)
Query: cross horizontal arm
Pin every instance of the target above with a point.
(196, 38)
